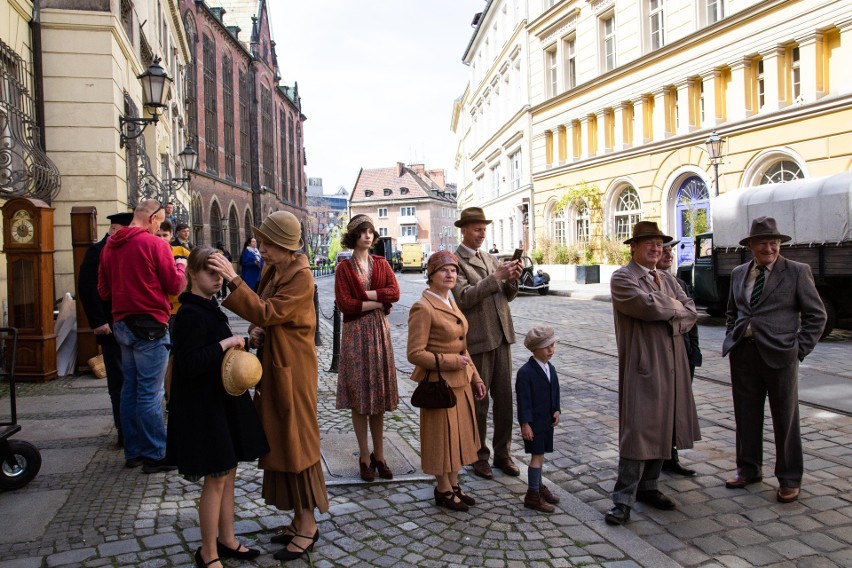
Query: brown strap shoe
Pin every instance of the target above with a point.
(533, 501)
(482, 469)
(507, 466)
(547, 495)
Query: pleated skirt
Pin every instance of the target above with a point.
(296, 491)
(449, 438)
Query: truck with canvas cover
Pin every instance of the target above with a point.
(815, 212)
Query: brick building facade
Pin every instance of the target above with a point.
(246, 125)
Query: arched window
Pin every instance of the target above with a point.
(248, 222)
(781, 171)
(191, 85)
(215, 223)
(628, 212)
(581, 224)
(234, 232)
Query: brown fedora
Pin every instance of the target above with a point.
(241, 370)
(281, 228)
(472, 215)
(764, 228)
(644, 230)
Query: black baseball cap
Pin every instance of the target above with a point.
(122, 219)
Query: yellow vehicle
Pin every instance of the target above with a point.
(413, 257)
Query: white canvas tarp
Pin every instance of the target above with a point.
(813, 211)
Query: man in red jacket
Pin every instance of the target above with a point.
(137, 273)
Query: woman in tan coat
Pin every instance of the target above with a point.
(283, 324)
(436, 331)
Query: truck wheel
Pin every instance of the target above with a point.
(25, 463)
(831, 314)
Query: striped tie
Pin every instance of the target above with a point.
(758, 285)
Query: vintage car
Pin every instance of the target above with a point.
(532, 281)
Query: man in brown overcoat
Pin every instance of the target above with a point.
(655, 405)
(483, 292)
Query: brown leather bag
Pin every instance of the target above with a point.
(433, 394)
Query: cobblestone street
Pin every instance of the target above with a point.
(86, 509)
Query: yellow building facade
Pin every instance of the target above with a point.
(623, 95)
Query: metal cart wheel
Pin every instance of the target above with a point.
(21, 462)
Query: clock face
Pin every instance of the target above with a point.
(23, 231)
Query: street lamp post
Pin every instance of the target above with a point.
(155, 92)
(714, 149)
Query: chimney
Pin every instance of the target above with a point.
(400, 168)
(419, 169)
(437, 176)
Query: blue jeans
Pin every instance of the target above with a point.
(143, 363)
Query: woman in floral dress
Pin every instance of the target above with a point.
(365, 289)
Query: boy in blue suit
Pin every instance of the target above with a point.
(537, 390)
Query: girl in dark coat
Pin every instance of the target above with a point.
(537, 389)
(209, 430)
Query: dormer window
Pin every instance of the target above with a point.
(368, 193)
(388, 191)
(403, 190)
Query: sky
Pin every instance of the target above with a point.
(377, 79)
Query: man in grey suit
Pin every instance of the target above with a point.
(774, 319)
(483, 291)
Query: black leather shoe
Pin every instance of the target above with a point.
(286, 537)
(618, 515)
(673, 466)
(157, 466)
(655, 499)
(247, 554)
(134, 462)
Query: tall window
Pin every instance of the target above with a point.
(234, 233)
(282, 145)
(515, 170)
(760, 85)
(701, 118)
(191, 86)
(782, 171)
(581, 224)
(495, 180)
(570, 55)
(408, 211)
(628, 212)
(247, 223)
(795, 74)
(245, 155)
(291, 135)
(215, 223)
(408, 231)
(551, 67)
(266, 142)
(211, 132)
(383, 212)
(608, 42)
(715, 11)
(559, 235)
(655, 14)
(228, 104)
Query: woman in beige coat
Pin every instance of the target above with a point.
(283, 324)
(448, 436)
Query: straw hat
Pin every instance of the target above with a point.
(644, 230)
(281, 228)
(240, 371)
(539, 336)
(472, 215)
(764, 228)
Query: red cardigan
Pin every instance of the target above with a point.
(350, 294)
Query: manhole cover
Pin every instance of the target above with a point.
(340, 456)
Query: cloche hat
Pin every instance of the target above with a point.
(281, 228)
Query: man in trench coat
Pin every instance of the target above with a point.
(655, 405)
(775, 318)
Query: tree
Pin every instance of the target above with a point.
(334, 245)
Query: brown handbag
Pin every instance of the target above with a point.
(433, 394)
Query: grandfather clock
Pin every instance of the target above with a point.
(28, 244)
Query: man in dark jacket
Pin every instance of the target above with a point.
(99, 313)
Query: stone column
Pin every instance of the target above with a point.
(741, 94)
(775, 78)
(686, 107)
